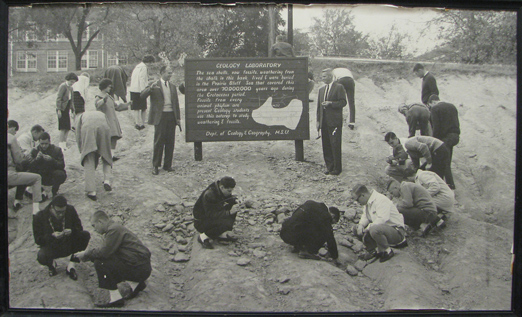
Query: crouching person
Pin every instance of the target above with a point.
(215, 212)
(121, 257)
(59, 233)
(309, 227)
(381, 226)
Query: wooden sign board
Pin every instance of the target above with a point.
(246, 99)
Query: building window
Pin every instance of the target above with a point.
(116, 59)
(56, 61)
(26, 61)
(90, 60)
(56, 37)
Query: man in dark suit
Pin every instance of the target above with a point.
(446, 127)
(330, 102)
(165, 116)
(309, 227)
(429, 84)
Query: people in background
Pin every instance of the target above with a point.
(63, 108)
(417, 117)
(119, 78)
(282, 48)
(105, 103)
(82, 85)
(399, 163)
(139, 81)
(429, 84)
(343, 76)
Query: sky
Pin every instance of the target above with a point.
(377, 20)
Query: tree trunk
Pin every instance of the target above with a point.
(78, 60)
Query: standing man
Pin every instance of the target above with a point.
(282, 48)
(47, 161)
(415, 205)
(429, 84)
(119, 78)
(344, 76)
(121, 258)
(432, 150)
(215, 212)
(446, 127)
(29, 140)
(417, 117)
(381, 225)
(330, 103)
(59, 232)
(140, 80)
(165, 116)
(309, 227)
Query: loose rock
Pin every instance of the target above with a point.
(168, 227)
(243, 262)
(323, 252)
(351, 270)
(259, 253)
(181, 257)
(360, 264)
(181, 240)
(160, 208)
(160, 225)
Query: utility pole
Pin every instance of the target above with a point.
(290, 24)
(271, 28)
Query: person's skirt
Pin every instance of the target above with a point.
(64, 123)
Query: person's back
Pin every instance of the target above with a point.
(445, 119)
(281, 48)
(414, 195)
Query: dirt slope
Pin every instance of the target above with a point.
(464, 266)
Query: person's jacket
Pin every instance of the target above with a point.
(43, 230)
(157, 101)
(212, 204)
(40, 165)
(334, 112)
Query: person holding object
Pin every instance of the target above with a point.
(381, 226)
(331, 100)
(343, 76)
(429, 84)
(433, 150)
(309, 227)
(122, 257)
(140, 80)
(59, 232)
(164, 115)
(29, 140)
(399, 163)
(63, 107)
(215, 212)
(441, 193)
(418, 118)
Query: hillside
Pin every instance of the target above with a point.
(462, 267)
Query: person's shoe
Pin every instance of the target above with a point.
(227, 239)
(115, 158)
(306, 255)
(335, 173)
(141, 286)
(310, 100)
(72, 274)
(28, 194)
(402, 244)
(441, 224)
(17, 205)
(425, 229)
(327, 172)
(92, 197)
(369, 255)
(168, 169)
(155, 171)
(119, 303)
(74, 258)
(385, 256)
(52, 270)
(451, 186)
(142, 127)
(137, 126)
(351, 126)
(107, 187)
(205, 244)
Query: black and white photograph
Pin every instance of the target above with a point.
(266, 158)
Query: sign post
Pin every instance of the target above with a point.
(246, 99)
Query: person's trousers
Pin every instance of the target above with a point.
(440, 161)
(414, 216)
(54, 178)
(63, 247)
(215, 227)
(89, 169)
(450, 140)
(349, 85)
(164, 138)
(112, 271)
(26, 179)
(331, 141)
(302, 237)
(381, 237)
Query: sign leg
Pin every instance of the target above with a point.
(299, 150)
(198, 151)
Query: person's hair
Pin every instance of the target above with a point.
(37, 128)
(99, 215)
(389, 136)
(104, 83)
(85, 74)
(433, 98)
(13, 124)
(71, 76)
(45, 136)
(336, 213)
(148, 59)
(280, 38)
(59, 201)
(360, 189)
(227, 182)
(391, 181)
(417, 67)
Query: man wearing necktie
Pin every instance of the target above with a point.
(330, 103)
(165, 116)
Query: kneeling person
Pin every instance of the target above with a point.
(309, 227)
(122, 257)
(59, 233)
(215, 212)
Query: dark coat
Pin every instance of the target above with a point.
(310, 226)
(119, 78)
(212, 204)
(334, 112)
(157, 101)
(445, 120)
(43, 230)
(41, 166)
(429, 87)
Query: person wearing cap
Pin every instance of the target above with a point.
(429, 84)
(63, 107)
(381, 225)
(343, 76)
(59, 232)
(215, 212)
(309, 227)
(417, 117)
(399, 163)
(122, 257)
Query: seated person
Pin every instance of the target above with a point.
(441, 193)
(47, 161)
(381, 225)
(59, 233)
(418, 118)
(400, 166)
(122, 257)
(415, 205)
(309, 227)
(215, 212)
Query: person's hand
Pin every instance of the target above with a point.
(59, 112)
(393, 163)
(57, 235)
(67, 232)
(46, 157)
(234, 210)
(326, 104)
(428, 166)
(154, 85)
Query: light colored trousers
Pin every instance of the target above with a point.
(89, 169)
(30, 179)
